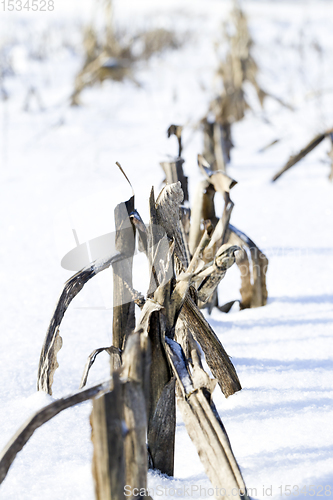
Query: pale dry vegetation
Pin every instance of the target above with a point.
(112, 54)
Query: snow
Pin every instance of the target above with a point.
(57, 172)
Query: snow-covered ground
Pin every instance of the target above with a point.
(58, 172)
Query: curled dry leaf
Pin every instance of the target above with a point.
(47, 362)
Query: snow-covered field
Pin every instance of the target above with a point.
(58, 172)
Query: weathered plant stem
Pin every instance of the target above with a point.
(253, 274)
(305, 151)
(39, 418)
(204, 425)
(52, 342)
(205, 239)
(115, 360)
(123, 304)
(108, 435)
(216, 357)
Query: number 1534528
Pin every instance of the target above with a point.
(27, 5)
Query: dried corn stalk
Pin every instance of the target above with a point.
(115, 361)
(253, 265)
(52, 343)
(144, 373)
(112, 56)
(210, 246)
(108, 435)
(237, 68)
(305, 151)
(18, 441)
(123, 320)
(203, 424)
